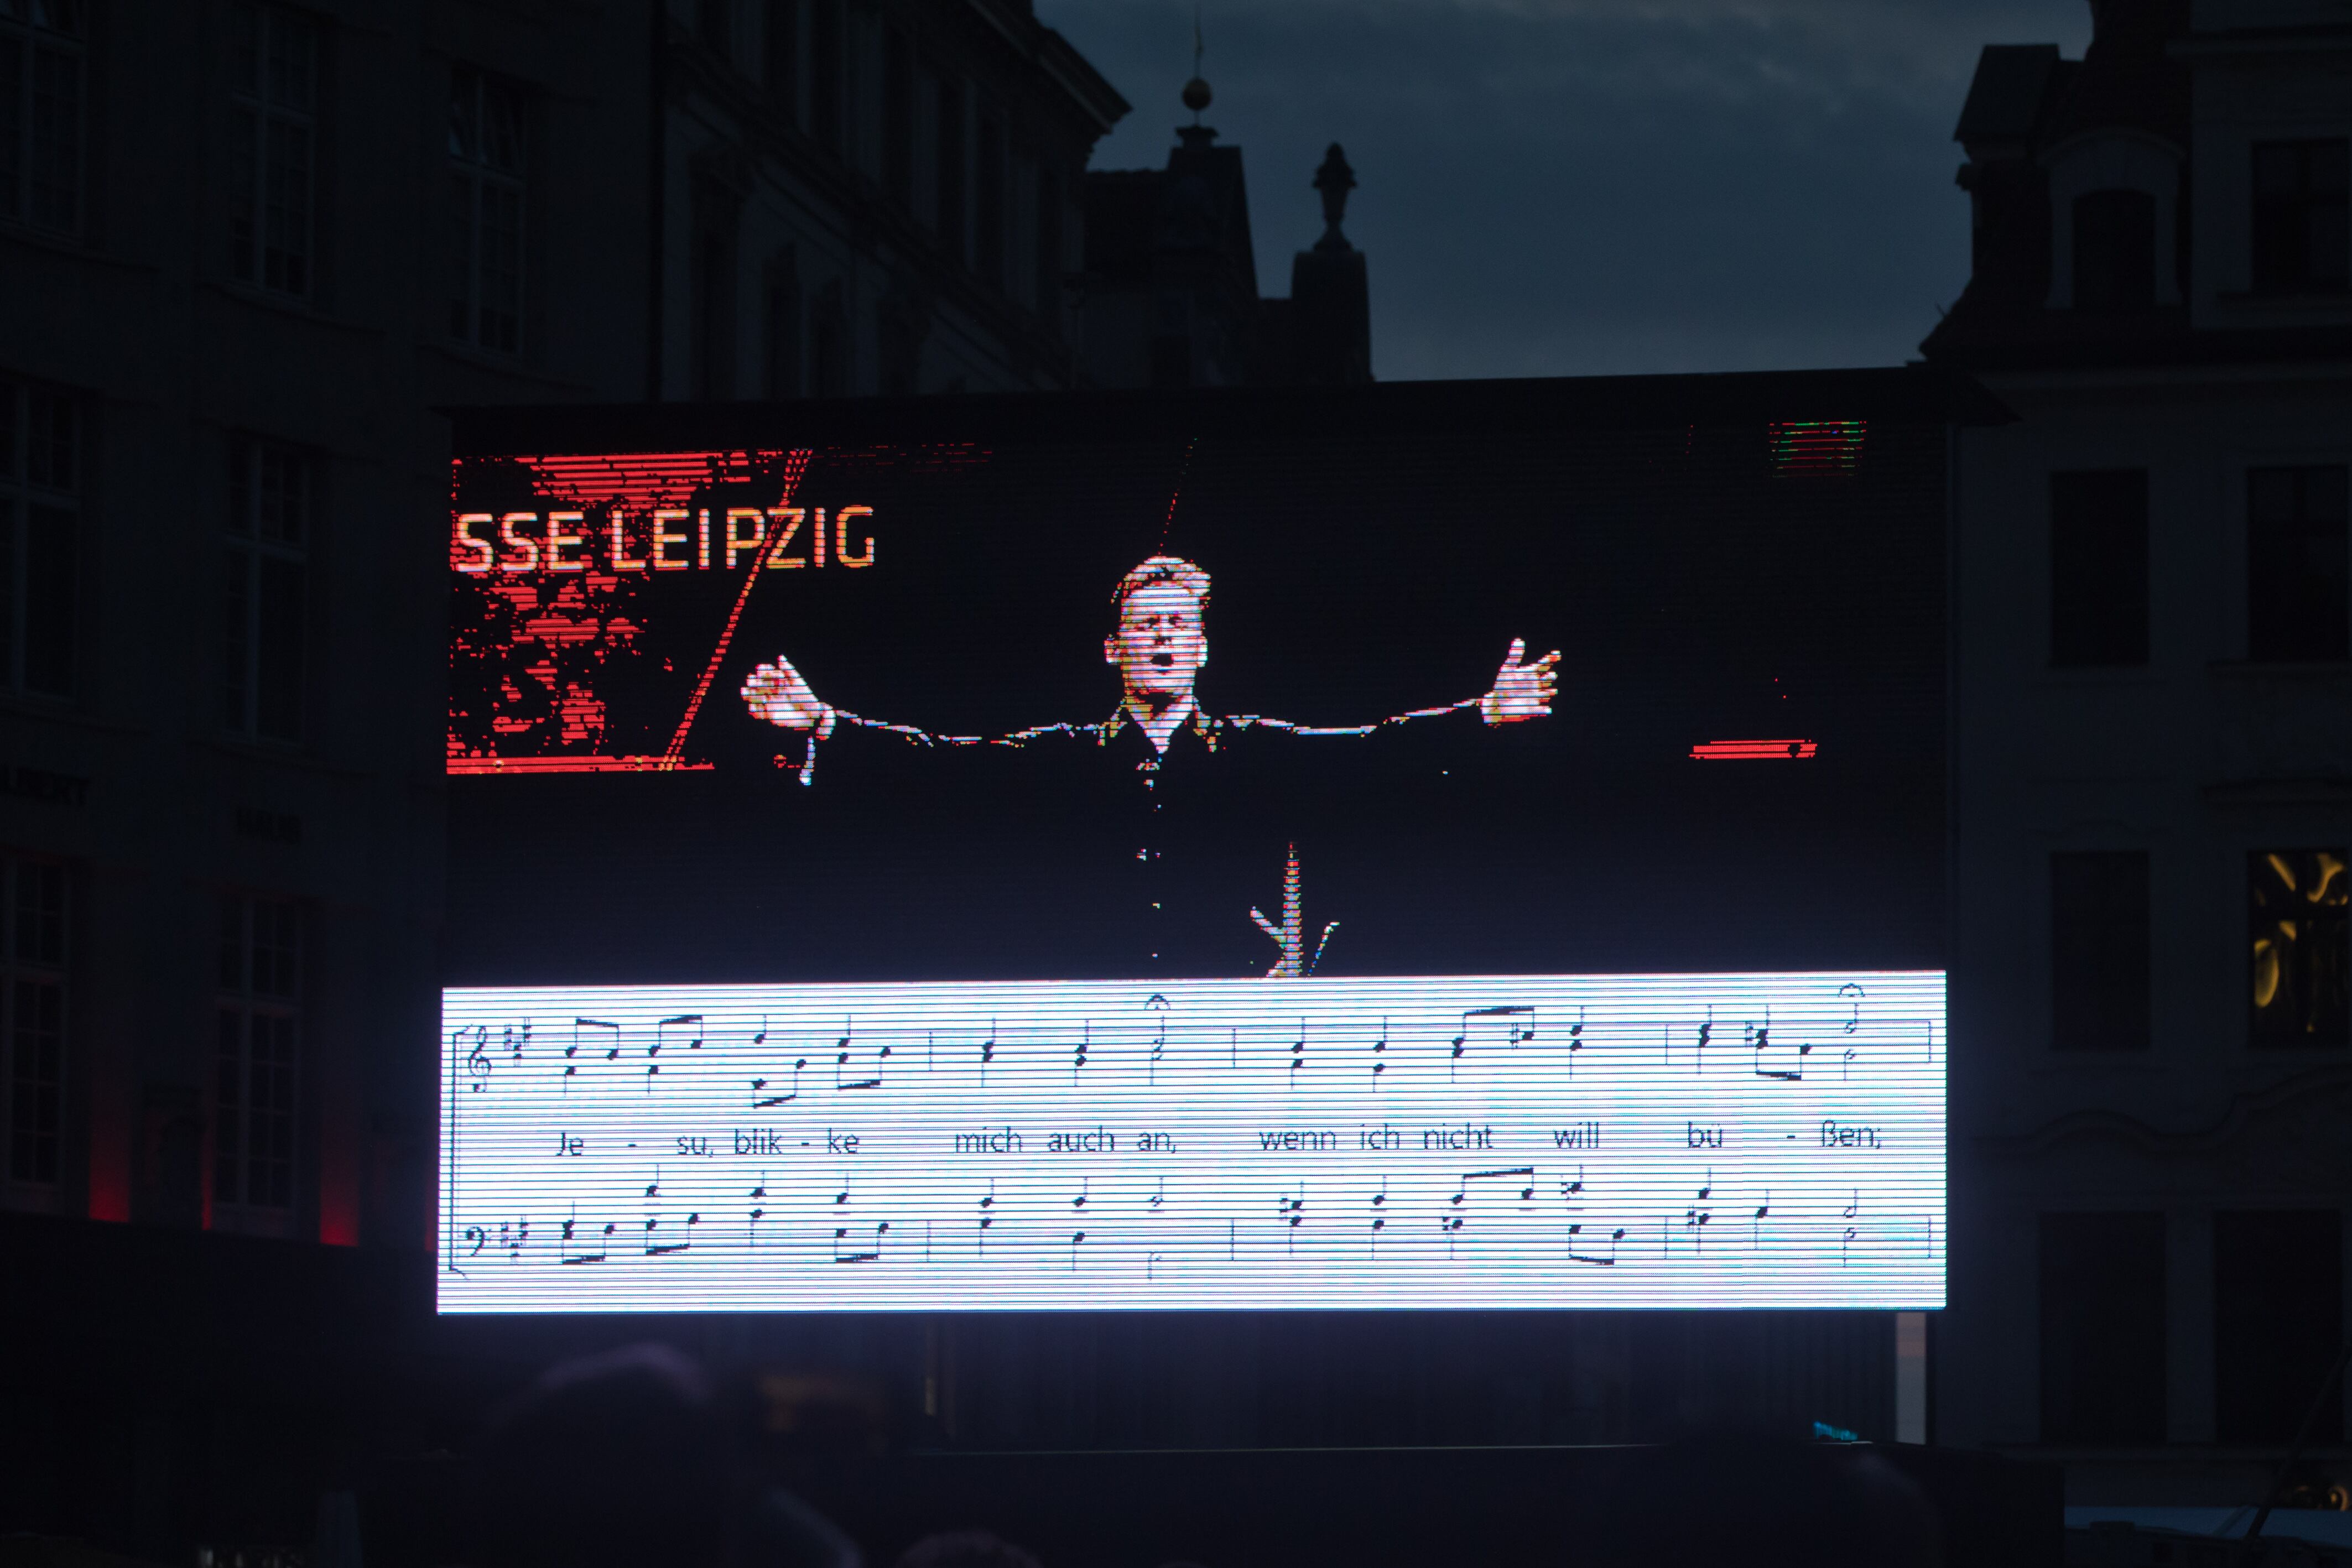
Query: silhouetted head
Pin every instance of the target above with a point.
(965, 1549)
(617, 1460)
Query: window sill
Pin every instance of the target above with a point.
(504, 365)
(292, 307)
(2281, 669)
(71, 246)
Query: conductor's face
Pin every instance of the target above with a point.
(1159, 646)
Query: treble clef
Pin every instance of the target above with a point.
(478, 1060)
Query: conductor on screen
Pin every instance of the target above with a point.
(1178, 838)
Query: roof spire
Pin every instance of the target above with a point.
(1196, 91)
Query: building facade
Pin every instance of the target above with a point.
(2152, 711)
(247, 249)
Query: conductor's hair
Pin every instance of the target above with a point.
(1173, 571)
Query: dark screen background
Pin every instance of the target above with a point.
(1373, 551)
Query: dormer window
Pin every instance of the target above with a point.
(2300, 230)
(2115, 251)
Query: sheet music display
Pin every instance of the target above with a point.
(1663, 1141)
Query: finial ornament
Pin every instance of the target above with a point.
(1335, 179)
(1196, 93)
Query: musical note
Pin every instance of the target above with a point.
(1078, 1065)
(1159, 1050)
(1855, 994)
(1761, 1038)
(1084, 1184)
(1694, 1219)
(1526, 1191)
(1380, 1050)
(1853, 1212)
(1514, 1023)
(603, 1243)
(1706, 1032)
(572, 1057)
(987, 1052)
(859, 1251)
(1575, 1041)
(1076, 1237)
(1159, 1196)
(1756, 1224)
(661, 1031)
(760, 1101)
(758, 1212)
(1575, 1257)
(1298, 1051)
(514, 1236)
(841, 1070)
(1292, 1209)
(513, 1040)
(663, 1249)
(1379, 1217)
(986, 1218)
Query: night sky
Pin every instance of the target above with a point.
(1592, 187)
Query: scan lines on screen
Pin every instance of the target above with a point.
(1761, 1140)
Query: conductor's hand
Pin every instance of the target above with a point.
(1522, 691)
(776, 693)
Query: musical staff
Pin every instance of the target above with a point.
(1289, 1142)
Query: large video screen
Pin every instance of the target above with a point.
(1405, 847)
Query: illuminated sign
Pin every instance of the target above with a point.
(1764, 1140)
(1059, 852)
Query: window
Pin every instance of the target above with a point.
(899, 117)
(784, 325)
(2103, 1328)
(1049, 249)
(2098, 567)
(253, 1140)
(714, 23)
(274, 149)
(2299, 217)
(783, 39)
(486, 192)
(829, 342)
(2298, 594)
(825, 66)
(2278, 1295)
(713, 290)
(951, 167)
(32, 1015)
(272, 495)
(40, 112)
(39, 521)
(2296, 906)
(2115, 251)
(2098, 951)
(988, 207)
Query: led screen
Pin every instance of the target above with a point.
(1517, 760)
(1607, 1141)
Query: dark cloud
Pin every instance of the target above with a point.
(1566, 187)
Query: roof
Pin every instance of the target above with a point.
(2006, 97)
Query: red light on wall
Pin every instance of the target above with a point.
(574, 764)
(1816, 445)
(1754, 750)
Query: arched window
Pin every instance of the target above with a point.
(2114, 250)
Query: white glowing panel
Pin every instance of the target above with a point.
(1611, 1140)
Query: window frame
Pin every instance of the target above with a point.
(2075, 1044)
(57, 31)
(2287, 225)
(263, 119)
(28, 968)
(477, 177)
(249, 551)
(2264, 924)
(2267, 643)
(41, 465)
(241, 999)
